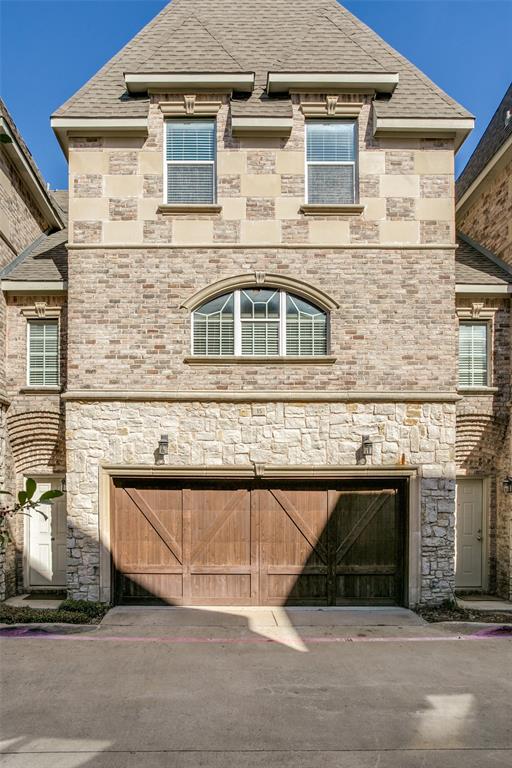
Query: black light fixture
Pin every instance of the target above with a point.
(367, 446)
(63, 484)
(163, 445)
(507, 484)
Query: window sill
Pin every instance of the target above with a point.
(40, 390)
(169, 210)
(477, 390)
(270, 360)
(310, 209)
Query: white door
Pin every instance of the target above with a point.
(469, 526)
(47, 540)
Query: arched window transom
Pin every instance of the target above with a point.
(259, 322)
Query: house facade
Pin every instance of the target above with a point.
(484, 221)
(260, 376)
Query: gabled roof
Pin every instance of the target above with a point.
(28, 169)
(46, 259)
(475, 265)
(496, 134)
(258, 36)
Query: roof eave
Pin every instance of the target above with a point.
(16, 154)
(33, 286)
(140, 82)
(497, 160)
(64, 127)
(286, 82)
(457, 128)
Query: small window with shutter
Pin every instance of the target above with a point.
(331, 162)
(259, 322)
(190, 162)
(43, 353)
(473, 354)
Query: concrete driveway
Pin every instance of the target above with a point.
(229, 688)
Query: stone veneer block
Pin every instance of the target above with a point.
(374, 208)
(88, 208)
(329, 231)
(122, 232)
(290, 162)
(401, 208)
(295, 231)
(362, 231)
(434, 161)
(123, 186)
(293, 185)
(157, 231)
(399, 161)
(122, 208)
(261, 161)
(432, 208)
(399, 232)
(436, 232)
(369, 186)
(260, 207)
(436, 186)
(228, 186)
(226, 231)
(399, 186)
(268, 231)
(151, 162)
(233, 162)
(232, 207)
(288, 207)
(87, 232)
(148, 208)
(372, 163)
(192, 231)
(82, 161)
(153, 185)
(260, 185)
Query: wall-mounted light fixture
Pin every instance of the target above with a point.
(507, 484)
(63, 485)
(163, 447)
(366, 446)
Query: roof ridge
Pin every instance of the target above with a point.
(371, 56)
(24, 253)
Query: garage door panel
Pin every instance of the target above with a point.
(257, 543)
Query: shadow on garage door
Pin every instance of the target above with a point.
(259, 543)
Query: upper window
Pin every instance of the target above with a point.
(331, 162)
(473, 354)
(43, 353)
(259, 322)
(190, 161)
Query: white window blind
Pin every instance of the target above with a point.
(473, 354)
(259, 322)
(190, 161)
(43, 353)
(331, 162)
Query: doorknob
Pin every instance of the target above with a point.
(479, 535)
(52, 538)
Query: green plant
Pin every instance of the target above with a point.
(24, 504)
(85, 607)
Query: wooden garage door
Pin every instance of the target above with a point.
(257, 544)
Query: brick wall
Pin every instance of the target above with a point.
(487, 216)
(406, 186)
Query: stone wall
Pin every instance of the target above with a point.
(216, 434)
(117, 186)
(487, 215)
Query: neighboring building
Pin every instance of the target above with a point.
(484, 221)
(31, 421)
(261, 375)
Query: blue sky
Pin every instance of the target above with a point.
(49, 48)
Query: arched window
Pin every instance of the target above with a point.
(264, 322)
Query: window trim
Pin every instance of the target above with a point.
(166, 162)
(355, 202)
(489, 334)
(238, 356)
(55, 319)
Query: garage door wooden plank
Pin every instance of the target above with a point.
(155, 523)
(217, 524)
(363, 522)
(299, 522)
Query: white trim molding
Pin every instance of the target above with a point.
(258, 396)
(284, 82)
(270, 126)
(33, 286)
(64, 127)
(291, 284)
(229, 81)
(488, 289)
(455, 128)
(17, 156)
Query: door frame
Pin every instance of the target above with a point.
(486, 507)
(38, 477)
(412, 518)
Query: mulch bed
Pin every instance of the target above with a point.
(456, 613)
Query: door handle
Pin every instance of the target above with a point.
(52, 538)
(479, 535)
